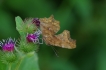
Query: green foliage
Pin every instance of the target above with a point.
(25, 49)
(8, 57)
(30, 62)
(28, 47)
(19, 25)
(26, 62)
(24, 27)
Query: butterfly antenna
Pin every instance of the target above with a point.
(55, 51)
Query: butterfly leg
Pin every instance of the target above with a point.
(39, 41)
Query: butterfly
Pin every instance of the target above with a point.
(49, 27)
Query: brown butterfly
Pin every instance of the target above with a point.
(49, 27)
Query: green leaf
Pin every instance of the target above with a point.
(3, 66)
(27, 62)
(30, 62)
(19, 21)
(19, 25)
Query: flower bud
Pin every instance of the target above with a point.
(32, 38)
(8, 45)
(36, 22)
(8, 55)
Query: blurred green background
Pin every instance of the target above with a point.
(85, 19)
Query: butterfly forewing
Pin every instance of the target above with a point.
(49, 27)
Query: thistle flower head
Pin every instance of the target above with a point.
(33, 37)
(36, 22)
(8, 45)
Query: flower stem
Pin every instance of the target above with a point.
(19, 62)
(9, 68)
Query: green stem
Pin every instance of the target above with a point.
(19, 62)
(9, 67)
(17, 50)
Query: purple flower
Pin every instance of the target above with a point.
(8, 45)
(36, 21)
(32, 37)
